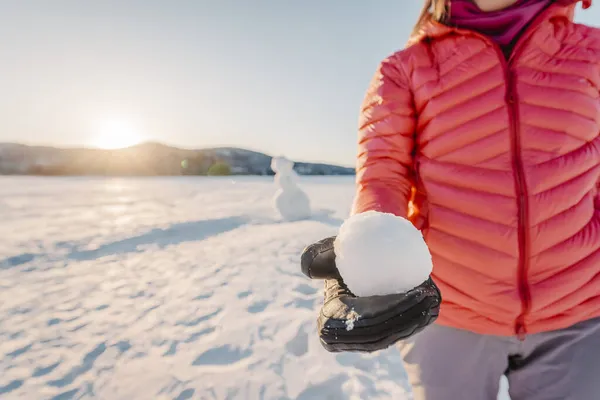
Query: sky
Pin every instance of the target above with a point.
(277, 76)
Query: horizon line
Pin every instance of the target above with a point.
(176, 147)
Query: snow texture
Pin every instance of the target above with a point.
(353, 316)
(380, 254)
(290, 201)
(170, 288)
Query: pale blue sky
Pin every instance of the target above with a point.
(279, 76)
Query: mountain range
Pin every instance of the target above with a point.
(147, 159)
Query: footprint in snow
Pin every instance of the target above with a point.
(203, 296)
(87, 363)
(196, 335)
(201, 318)
(258, 307)
(357, 361)
(223, 355)
(308, 304)
(41, 371)
(13, 385)
(298, 345)
(330, 388)
(17, 352)
(15, 261)
(186, 394)
(305, 289)
(68, 395)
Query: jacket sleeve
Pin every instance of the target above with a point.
(384, 170)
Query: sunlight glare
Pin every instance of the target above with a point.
(116, 134)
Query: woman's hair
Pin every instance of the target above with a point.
(434, 9)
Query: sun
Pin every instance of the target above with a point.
(116, 134)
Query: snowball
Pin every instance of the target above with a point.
(380, 254)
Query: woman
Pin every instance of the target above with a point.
(484, 132)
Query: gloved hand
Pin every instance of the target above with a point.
(365, 324)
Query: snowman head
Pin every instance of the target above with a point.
(281, 165)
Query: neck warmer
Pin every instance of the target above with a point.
(502, 26)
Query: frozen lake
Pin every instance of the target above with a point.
(169, 288)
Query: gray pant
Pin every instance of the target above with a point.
(450, 364)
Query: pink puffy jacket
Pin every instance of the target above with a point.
(498, 163)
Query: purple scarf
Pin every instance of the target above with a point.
(503, 26)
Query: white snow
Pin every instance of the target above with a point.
(379, 254)
(170, 288)
(353, 316)
(290, 201)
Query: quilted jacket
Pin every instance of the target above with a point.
(497, 162)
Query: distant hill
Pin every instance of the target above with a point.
(147, 159)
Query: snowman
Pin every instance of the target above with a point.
(290, 201)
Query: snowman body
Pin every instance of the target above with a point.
(289, 201)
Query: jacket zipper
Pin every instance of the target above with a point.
(523, 205)
(521, 192)
(519, 175)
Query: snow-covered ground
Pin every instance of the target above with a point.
(169, 288)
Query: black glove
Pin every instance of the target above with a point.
(381, 321)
